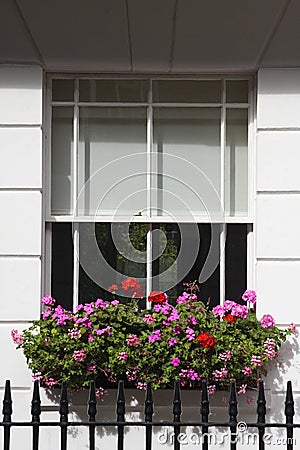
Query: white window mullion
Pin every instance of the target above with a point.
(222, 262)
(75, 264)
(149, 150)
(149, 264)
(75, 197)
(223, 149)
(222, 196)
(149, 188)
(75, 150)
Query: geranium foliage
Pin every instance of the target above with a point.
(108, 340)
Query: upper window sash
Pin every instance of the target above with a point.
(152, 123)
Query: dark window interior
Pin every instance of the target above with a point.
(62, 264)
(236, 262)
(176, 250)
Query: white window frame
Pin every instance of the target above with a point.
(150, 219)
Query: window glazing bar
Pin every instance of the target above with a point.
(149, 265)
(75, 150)
(222, 195)
(222, 262)
(75, 264)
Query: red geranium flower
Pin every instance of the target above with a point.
(157, 297)
(130, 284)
(133, 287)
(230, 318)
(112, 288)
(206, 340)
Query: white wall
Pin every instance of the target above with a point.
(277, 222)
(21, 213)
(278, 216)
(278, 192)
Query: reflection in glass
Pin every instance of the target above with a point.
(236, 91)
(236, 162)
(108, 254)
(62, 161)
(112, 161)
(124, 91)
(186, 161)
(62, 90)
(187, 91)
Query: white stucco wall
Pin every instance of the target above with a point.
(20, 225)
(278, 193)
(276, 230)
(21, 212)
(278, 217)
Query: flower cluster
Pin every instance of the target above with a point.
(230, 311)
(131, 288)
(184, 340)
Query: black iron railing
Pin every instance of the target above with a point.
(206, 426)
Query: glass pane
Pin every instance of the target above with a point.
(109, 253)
(165, 248)
(184, 253)
(187, 91)
(113, 90)
(112, 161)
(62, 265)
(62, 90)
(236, 162)
(61, 160)
(237, 91)
(236, 262)
(186, 161)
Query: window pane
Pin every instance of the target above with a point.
(63, 90)
(110, 253)
(237, 91)
(186, 161)
(112, 161)
(165, 249)
(191, 252)
(62, 161)
(187, 91)
(113, 90)
(62, 264)
(236, 262)
(236, 162)
(206, 266)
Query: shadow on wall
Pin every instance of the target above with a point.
(162, 437)
(288, 368)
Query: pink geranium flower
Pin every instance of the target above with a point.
(48, 300)
(267, 321)
(256, 360)
(79, 355)
(175, 362)
(133, 340)
(249, 296)
(16, 337)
